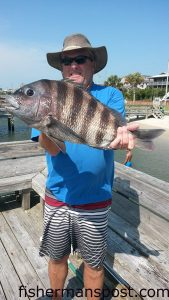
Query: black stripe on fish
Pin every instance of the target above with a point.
(88, 117)
(77, 105)
(104, 122)
(62, 94)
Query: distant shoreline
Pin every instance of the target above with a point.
(152, 122)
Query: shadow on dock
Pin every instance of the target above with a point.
(126, 205)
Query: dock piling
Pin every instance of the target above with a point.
(11, 123)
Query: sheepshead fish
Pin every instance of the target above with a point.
(67, 112)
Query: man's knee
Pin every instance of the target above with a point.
(93, 273)
(59, 261)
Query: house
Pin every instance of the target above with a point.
(158, 81)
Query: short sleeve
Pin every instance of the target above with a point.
(35, 135)
(116, 101)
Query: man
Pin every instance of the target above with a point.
(79, 183)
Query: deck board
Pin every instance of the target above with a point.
(141, 219)
(136, 268)
(143, 193)
(8, 277)
(18, 257)
(20, 149)
(142, 177)
(2, 294)
(30, 250)
(16, 167)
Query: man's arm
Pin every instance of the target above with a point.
(48, 145)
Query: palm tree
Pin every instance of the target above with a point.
(113, 80)
(134, 79)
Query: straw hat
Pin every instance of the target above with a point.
(79, 41)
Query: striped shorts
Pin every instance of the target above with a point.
(85, 230)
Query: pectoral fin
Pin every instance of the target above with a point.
(59, 132)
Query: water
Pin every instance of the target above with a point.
(22, 131)
(155, 163)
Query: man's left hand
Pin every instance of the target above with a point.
(125, 139)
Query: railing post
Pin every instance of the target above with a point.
(26, 199)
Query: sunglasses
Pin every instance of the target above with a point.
(80, 60)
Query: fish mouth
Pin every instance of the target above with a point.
(10, 100)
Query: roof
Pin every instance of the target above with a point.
(159, 76)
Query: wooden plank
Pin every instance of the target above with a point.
(147, 195)
(143, 220)
(138, 182)
(138, 271)
(122, 289)
(22, 265)
(8, 277)
(148, 179)
(147, 243)
(30, 221)
(130, 234)
(16, 183)
(31, 250)
(38, 184)
(2, 293)
(133, 187)
(22, 166)
(45, 172)
(20, 149)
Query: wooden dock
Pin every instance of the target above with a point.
(5, 114)
(144, 111)
(138, 240)
(3, 111)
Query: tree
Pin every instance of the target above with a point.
(134, 79)
(113, 80)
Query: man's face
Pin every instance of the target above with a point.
(81, 69)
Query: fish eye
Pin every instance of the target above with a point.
(29, 92)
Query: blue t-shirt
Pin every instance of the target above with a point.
(84, 174)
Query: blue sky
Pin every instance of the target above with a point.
(135, 32)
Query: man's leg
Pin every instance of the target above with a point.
(93, 281)
(91, 236)
(58, 270)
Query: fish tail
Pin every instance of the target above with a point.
(144, 138)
